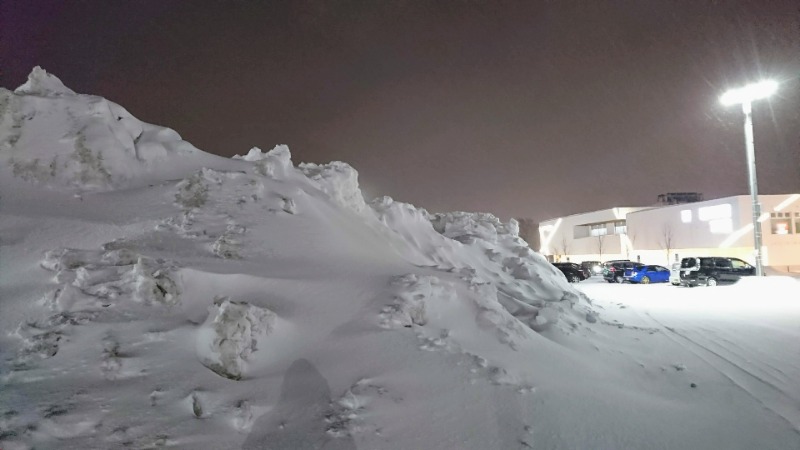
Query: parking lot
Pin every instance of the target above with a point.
(742, 336)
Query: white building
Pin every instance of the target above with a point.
(663, 234)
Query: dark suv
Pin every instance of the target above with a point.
(614, 271)
(712, 270)
(572, 271)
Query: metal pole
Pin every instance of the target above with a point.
(751, 170)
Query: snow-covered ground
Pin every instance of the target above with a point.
(153, 295)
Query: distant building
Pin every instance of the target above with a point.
(677, 198)
(664, 234)
(592, 236)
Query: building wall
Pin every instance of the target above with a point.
(649, 230)
(662, 231)
(662, 235)
(779, 250)
(569, 238)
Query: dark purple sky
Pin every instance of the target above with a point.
(525, 109)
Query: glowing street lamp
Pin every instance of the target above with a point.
(745, 96)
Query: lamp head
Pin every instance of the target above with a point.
(754, 91)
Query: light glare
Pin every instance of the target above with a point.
(547, 235)
(733, 237)
(754, 91)
(792, 198)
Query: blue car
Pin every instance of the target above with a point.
(647, 274)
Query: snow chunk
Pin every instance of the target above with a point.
(150, 283)
(339, 180)
(192, 192)
(274, 163)
(230, 335)
(98, 278)
(409, 305)
(42, 83)
(466, 227)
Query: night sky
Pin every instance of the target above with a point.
(525, 109)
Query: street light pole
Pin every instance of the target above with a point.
(753, 181)
(745, 97)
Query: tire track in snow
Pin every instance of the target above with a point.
(778, 374)
(777, 401)
(750, 355)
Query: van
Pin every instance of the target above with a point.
(713, 270)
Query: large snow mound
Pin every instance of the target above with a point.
(51, 136)
(185, 300)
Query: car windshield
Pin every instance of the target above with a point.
(687, 263)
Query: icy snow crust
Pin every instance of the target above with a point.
(154, 295)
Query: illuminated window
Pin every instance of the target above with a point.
(720, 226)
(620, 227)
(714, 212)
(686, 216)
(780, 223)
(797, 223)
(599, 229)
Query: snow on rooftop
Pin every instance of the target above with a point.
(154, 295)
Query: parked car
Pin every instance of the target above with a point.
(614, 271)
(675, 274)
(710, 271)
(628, 269)
(647, 274)
(572, 271)
(593, 267)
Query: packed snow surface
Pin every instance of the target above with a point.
(153, 295)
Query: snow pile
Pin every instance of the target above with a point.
(248, 303)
